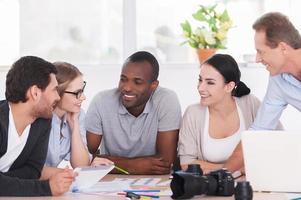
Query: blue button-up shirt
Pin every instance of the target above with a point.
(282, 90)
(59, 147)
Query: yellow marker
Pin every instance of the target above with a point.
(122, 170)
(144, 197)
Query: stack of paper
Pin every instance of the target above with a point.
(89, 176)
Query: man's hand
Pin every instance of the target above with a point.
(153, 165)
(60, 182)
(101, 161)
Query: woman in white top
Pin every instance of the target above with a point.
(211, 130)
(67, 139)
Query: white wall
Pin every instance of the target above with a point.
(180, 78)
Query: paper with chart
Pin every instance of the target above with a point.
(120, 184)
(89, 176)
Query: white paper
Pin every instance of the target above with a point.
(130, 181)
(110, 186)
(164, 183)
(64, 163)
(147, 181)
(89, 176)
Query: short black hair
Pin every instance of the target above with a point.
(24, 73)
(141, 56)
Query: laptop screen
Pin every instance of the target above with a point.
(273, 160)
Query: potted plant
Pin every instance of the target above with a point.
(211, 34)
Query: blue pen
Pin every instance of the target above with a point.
(298, 198)
(141, 190)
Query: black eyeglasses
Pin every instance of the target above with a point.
(79, 93)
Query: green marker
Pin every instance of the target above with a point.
(122, 170)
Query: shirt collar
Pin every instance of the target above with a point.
(58, 120)
(291, 79)
(61, 124)
(122, 110)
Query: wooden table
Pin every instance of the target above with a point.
(110, 177)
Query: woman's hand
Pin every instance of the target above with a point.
(101, 161)
(72, 119)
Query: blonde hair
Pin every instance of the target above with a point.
(66, 73)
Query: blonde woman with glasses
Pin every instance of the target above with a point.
(67, 139)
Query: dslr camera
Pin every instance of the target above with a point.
(185, 185)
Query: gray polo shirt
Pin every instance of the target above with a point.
(126, 135)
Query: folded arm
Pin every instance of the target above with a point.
(160, 163)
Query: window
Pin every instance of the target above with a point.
(107, 31)
(77, 31)
(159, 28)
(9, 35)
(159, 31)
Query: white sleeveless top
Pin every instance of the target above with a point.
(219, 150)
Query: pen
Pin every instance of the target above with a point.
(151, 196)
(141, 190)
(122, 170)
(137, 196)
(298, 198)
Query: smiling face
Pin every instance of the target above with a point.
(69, 102)
(212, 87)
(136, 86)
(48, 100)
(272, 58)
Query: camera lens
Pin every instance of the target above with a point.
(243, 191)
(195, 169)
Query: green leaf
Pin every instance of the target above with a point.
(212, 24)
(199, 15)
(211, 8)
(193, 43)
(182, 43)
(225, 16)
(186, 28)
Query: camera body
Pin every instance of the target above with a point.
(225, 182)
(185, 185)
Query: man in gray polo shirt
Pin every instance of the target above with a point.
(137, 123)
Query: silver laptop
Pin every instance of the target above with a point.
(273, 160)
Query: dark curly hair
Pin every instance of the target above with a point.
(24, 73)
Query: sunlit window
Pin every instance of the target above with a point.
(93, 31)
(78, 31)
(159, 28)
(9, 34)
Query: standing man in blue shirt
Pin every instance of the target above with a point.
(278, 46)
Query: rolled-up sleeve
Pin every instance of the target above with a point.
(269, 112)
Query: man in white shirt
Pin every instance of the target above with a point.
(31, 95)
